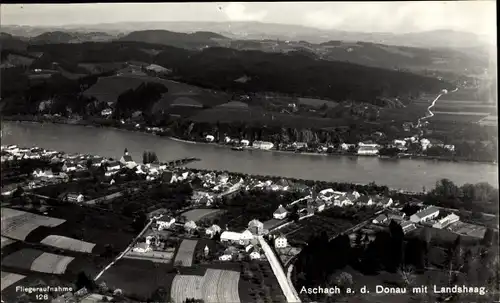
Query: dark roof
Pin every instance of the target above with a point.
(280, 210)
(364, 199)
(127, 158)
(113, 163)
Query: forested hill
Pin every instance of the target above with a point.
(218, 68)
(183, 40)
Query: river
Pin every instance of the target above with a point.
(395, 173)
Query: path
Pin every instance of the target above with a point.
(431, 114)
(125, 251)
(286, 287)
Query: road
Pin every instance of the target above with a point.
(287, 288)
(125, 251)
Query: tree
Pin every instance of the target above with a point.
(487, 240)
(407, 274)
(83, 280)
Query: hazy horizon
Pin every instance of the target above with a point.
(392, 17)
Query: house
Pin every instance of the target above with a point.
(365, 200)
(222, 178)
(382, 218)
(319, 206)
(106, 112)
(165, 222)
(407, 226)
(444, 222)
(343, 200)
(190, 226)
(256, 227)
(69, 166)
(230, 236)
(127, 160)
(424, 143)
(75, 197)
(383, 201)
(428, 213)
(262, 145)
(280, 242)
(245, 142)
(142, 248)
(248, 247)
(367, 150)
(449, 147)
(254, 255)
(113, 166)
(226, 257)
(241, 238)
(280, 213)
(212, 230)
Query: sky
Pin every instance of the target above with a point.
(396, 17)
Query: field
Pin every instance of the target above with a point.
(36, 260)
(68, 243)
(456, 117)
(108, 89)
(153, 256)
(138, 278)
(215, 286)
(185, 253)
(317, 102)
(91, 225)
(198, 214)
(10, 278)
(258, 116)
(18, 224)
(6, 241)
(467, 229)
(51, 263)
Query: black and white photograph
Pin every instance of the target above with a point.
(241, 152)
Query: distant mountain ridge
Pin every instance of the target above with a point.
(465, 61)
(260, 31)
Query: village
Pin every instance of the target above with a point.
(208, 230)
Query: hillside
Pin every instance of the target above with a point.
(10, 42)
(217, 68)
(70, 37)
(190, 41)
(470, 60)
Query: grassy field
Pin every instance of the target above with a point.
(108, 89)
(10, 278)
(6, 242)
(37, 260)
(185, 253)
(259, 117)
(139, 278)
(199, 214)
(456, 117)
(18, 224)
(89, 225)
(317, 102)
(68, 243)
(215, 286)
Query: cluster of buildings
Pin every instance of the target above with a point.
(428, 216)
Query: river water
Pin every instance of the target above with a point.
(395, 173)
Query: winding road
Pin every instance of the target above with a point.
(430, 114)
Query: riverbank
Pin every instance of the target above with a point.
(130, 128)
